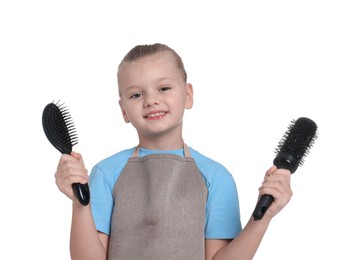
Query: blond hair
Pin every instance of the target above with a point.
(145, 50)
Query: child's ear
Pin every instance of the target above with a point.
(125, 116)
(189, 96)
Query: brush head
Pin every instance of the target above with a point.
(295, 144)
(59, 127)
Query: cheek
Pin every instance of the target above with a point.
(124, 110)
(184, 101)
(178, 103)
(125, 116)
(131, 113)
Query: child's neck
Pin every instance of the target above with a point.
(162, 144)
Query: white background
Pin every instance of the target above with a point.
(255, 66)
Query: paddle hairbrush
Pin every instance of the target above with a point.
(61, 133)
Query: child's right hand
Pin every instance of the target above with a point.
(70, 170)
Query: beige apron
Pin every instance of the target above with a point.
(159, 211)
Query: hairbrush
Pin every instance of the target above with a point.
(295, 144)
(290, 153)
(61, 133)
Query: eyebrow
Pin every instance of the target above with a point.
(159, 80)
(130, 88)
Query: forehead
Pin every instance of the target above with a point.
(149, 69)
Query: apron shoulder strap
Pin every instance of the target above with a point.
(135, 152)
(187, 151)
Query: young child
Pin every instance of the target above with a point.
(161, 199)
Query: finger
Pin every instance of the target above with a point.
(281, 175)
(65, 159)
(270, 171)
(276, 181)
(79, 157)
(71, 170)
(66, 181)
(70, 180)
(276, 184)
(68, 163)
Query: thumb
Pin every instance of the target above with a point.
(78, 156)
(270, 171)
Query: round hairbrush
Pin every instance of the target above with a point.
(290, 152)
(61, 133)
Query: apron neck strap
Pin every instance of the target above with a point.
(187, 152)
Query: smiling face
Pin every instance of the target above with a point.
(154, 96)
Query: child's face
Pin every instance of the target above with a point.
(154, 95)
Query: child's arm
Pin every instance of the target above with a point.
(245, 245)
(85, 241)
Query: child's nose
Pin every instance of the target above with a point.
(151, 100)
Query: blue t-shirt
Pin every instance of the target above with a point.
(222, 206)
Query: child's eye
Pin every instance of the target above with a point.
(136, 95)
(163, 89)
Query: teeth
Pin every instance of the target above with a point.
(156, 114)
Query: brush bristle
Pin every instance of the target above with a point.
(59, 127)
(298, 139)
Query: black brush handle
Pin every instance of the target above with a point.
(262, 206)
(82, 193)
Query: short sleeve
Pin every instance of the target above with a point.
(101, 200)
(222, 208)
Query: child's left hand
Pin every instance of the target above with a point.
(277, 184)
